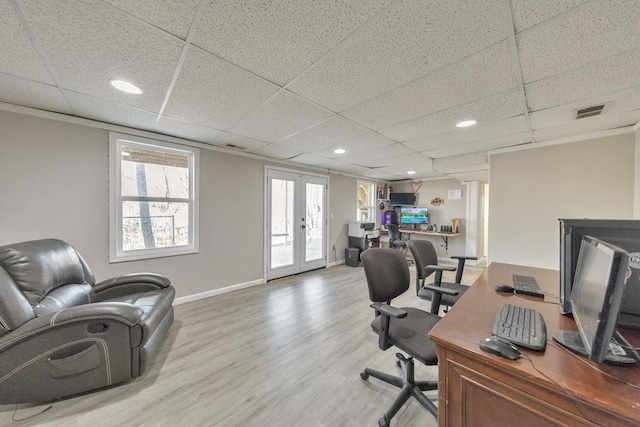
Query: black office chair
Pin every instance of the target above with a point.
(426, 260)
(394, 237)
(406, 328)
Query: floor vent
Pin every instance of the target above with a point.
(595, 110)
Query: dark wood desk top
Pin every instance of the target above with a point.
(471, 320)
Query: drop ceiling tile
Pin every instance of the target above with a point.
(473, 147)
(242, 142)
(378, 174)
(367, 158)
(308, 159)
(279, 39)
(29, 93)
(277, 151)
(280, 116)
(615, 102)
(328, 132)
(485, 73)
(612, 74)
(19, 56)
(421, 167)
(357, 144)
(109, 112)
(186, 130)
(215, 93)
(404, 42)
(173, 16)
(527, 13)
(592, 32)
(356, 170)
(479, 132)
(462, 163)
(588, 125)
(482, 175)
(494, 107)
(391, 160)
(89, 43)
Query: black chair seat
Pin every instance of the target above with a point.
(399, 244)
(410, 334)
(448, 300)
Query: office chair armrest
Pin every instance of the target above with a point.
(465, 257)
(441, 290)
(440, 268)
(389, 310)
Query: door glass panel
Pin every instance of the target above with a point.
(314, 221)
(282, 222)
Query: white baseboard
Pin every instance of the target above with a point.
(214, 292)
(333, 264)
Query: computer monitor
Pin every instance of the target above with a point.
(414, 215)
(596, 297)
(622, 233)
(402, 199)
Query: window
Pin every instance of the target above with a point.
(365, 203)
(153, 206)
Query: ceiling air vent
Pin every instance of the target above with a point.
(589, 111)
(235, 147)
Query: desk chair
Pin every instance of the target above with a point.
(406, 328)
(395, 242)
(426, 259)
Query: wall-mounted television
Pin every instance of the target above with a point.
(403, 199)
(622, 233)
(410, 215)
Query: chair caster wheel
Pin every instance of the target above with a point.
(382, 422)
(364, 376)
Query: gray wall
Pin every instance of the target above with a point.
(54, 183)
(532, 189)
(441, 215)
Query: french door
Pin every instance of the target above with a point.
(296, 223)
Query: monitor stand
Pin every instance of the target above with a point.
(616, 355)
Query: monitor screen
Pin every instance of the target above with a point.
(402, 199)
(597, 293)
(622, 233)
(414, 216)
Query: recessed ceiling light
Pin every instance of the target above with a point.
(126, 86)
(411, 172)
(466, 123)
(339, 151)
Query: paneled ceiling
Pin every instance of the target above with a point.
(385, 80)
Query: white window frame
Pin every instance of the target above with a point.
(371, 208)
(116, 254)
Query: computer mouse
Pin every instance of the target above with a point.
(500, 347)
(505, 288)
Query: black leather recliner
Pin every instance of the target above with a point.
(61, 333)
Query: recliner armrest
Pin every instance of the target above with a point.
(152, 280)
(389, 310)
(121, 312)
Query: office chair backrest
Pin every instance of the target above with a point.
(387, 273)
(423, 254)
(394, 234)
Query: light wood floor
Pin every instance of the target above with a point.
(288, 353)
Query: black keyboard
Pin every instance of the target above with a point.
(522, 326)
(527, 285)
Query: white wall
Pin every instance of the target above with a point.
(54, 183)
(532, 189)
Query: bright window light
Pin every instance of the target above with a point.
(466, 123)
(126, 87)
(339, 151)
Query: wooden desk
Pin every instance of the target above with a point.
(480, 389)
(445, 236)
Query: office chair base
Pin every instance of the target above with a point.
(408, 385)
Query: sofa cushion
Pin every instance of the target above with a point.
(15, 310)
(39, 266)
